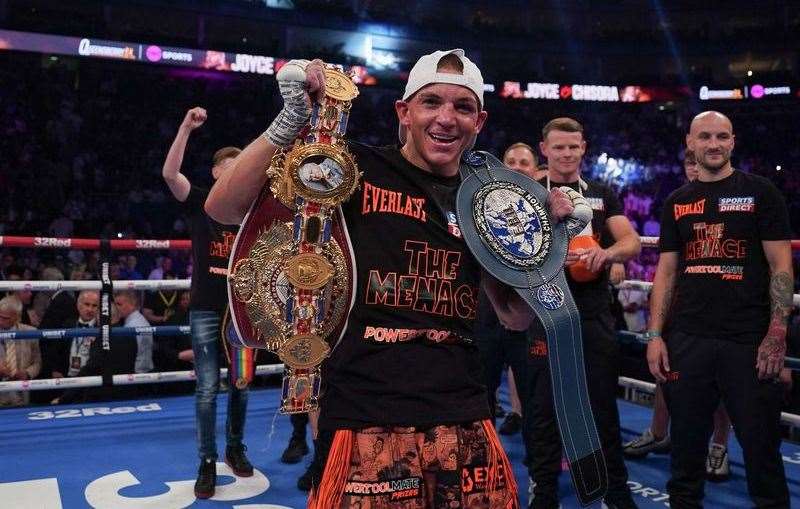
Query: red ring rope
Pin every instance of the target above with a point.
(69, 243)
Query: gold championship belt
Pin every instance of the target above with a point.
(290, 283)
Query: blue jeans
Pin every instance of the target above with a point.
(205, 344)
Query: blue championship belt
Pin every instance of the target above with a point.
(506, 224)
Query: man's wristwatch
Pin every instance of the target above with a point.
(650, 335)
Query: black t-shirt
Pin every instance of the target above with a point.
(407, 356)
(211, 247)
(593, 297)
(161, 301)
(722, 286)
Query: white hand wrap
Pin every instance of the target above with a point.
(582, 213)
(296, 106)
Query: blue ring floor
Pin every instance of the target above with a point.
(142, 454)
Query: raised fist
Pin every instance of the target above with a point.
(194, 118)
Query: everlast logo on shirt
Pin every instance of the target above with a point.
(376, 199)
(690, 208)
(222, 249)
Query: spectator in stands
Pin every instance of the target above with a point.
(127, 302)
(29, 314)
(164, 266)
(160, 305)
(61, 227)
(61, 313)
(78, 355)
(7, 265)
(119, 360)
(19, 358)
(129, 270)
(174, 353)
(75, 353)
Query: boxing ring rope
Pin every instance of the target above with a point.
(78, 285)
(124, 379)
(93, 244)
(81, 332)
(648, 286)
(632, 384)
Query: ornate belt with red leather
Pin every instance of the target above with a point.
(291, 270)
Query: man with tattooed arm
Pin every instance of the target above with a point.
(718, 316)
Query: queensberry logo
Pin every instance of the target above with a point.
(737, 204)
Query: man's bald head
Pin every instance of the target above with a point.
(711, 140)
(710, 117)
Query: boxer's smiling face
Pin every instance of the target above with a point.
(441, 120)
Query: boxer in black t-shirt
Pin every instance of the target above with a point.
(723, 291)
(401, 389)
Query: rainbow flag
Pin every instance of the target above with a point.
(241, 359)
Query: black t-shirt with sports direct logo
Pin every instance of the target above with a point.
(407, 356)
(211, 247)
(722, 286)
(593, 298)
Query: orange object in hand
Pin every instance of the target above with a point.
(578, 270)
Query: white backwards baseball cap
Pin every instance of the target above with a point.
(425, 72)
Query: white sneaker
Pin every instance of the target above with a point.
(643, 445)
(717, 467)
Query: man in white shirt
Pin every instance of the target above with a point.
(128, 303)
